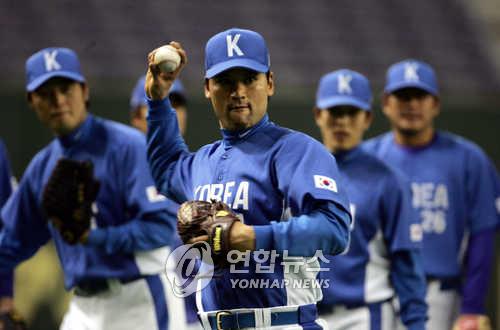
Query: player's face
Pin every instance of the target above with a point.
(138, 118)
(60, 103)
(342, 127)
(139, 115)
(239, 97)
(411, 110)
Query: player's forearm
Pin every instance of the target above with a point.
(325, 229)
(478, 265)
(164, 141)
(137, 235)
(408, 279)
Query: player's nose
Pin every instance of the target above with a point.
(238, 89)
(57, 97)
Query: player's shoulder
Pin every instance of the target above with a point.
(383, 170)
(118, 134)
(289, 138)
(118, 130)
(457, 143)
(41, 159)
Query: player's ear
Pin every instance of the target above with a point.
(317, 115)
(85, 91)
(270, 83)
(385, 101)
(437, 105)
(207, 88)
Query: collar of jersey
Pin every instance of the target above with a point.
(411, 149)
(345, 156)
(234, 136)
(78, 134)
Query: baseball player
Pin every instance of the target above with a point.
(284, 185)
(451, 190)
(139, 107)
(138, 112)
(9, 318)
(383, 258)
(114, 263)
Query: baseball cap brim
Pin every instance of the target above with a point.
(415, 84)
(342, 100)
(43, 78)
(236, 63)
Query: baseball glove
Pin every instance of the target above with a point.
(213, 219)
(12, 321)
(68, 196)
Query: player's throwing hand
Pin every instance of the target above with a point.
(158, 82)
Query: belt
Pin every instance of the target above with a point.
(246, 319)
(92, 287)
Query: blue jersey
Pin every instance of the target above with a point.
(451, 191)
(383, 223)
(282, 182)
(5, 191)
(132, 221)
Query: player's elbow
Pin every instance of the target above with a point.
(336, 235)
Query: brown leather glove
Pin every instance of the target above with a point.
(68, 196)
(211, 219)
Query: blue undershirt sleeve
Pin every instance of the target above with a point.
(407, 276)
(153, 231)
(478, 266)
(326, 228)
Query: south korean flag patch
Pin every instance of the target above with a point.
(324, 182)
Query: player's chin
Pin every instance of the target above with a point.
(240, 119)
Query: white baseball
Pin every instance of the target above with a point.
(167, 58)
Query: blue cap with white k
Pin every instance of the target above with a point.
(138, 97)
(52, 62)
(236, 48)
(344, 87)
(411, 73)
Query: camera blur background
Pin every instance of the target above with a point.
(460, 39)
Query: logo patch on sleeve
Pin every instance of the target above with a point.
(324, 182)
(416, 233)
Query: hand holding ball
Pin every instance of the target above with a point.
(167, 58)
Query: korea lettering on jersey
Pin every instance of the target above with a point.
(432, 202)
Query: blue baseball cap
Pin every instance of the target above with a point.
(236, 48)
(411, 73)
(344, 87)
(138, 97)
(52, 62)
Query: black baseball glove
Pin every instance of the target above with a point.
(212, 219)
(68, 196)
